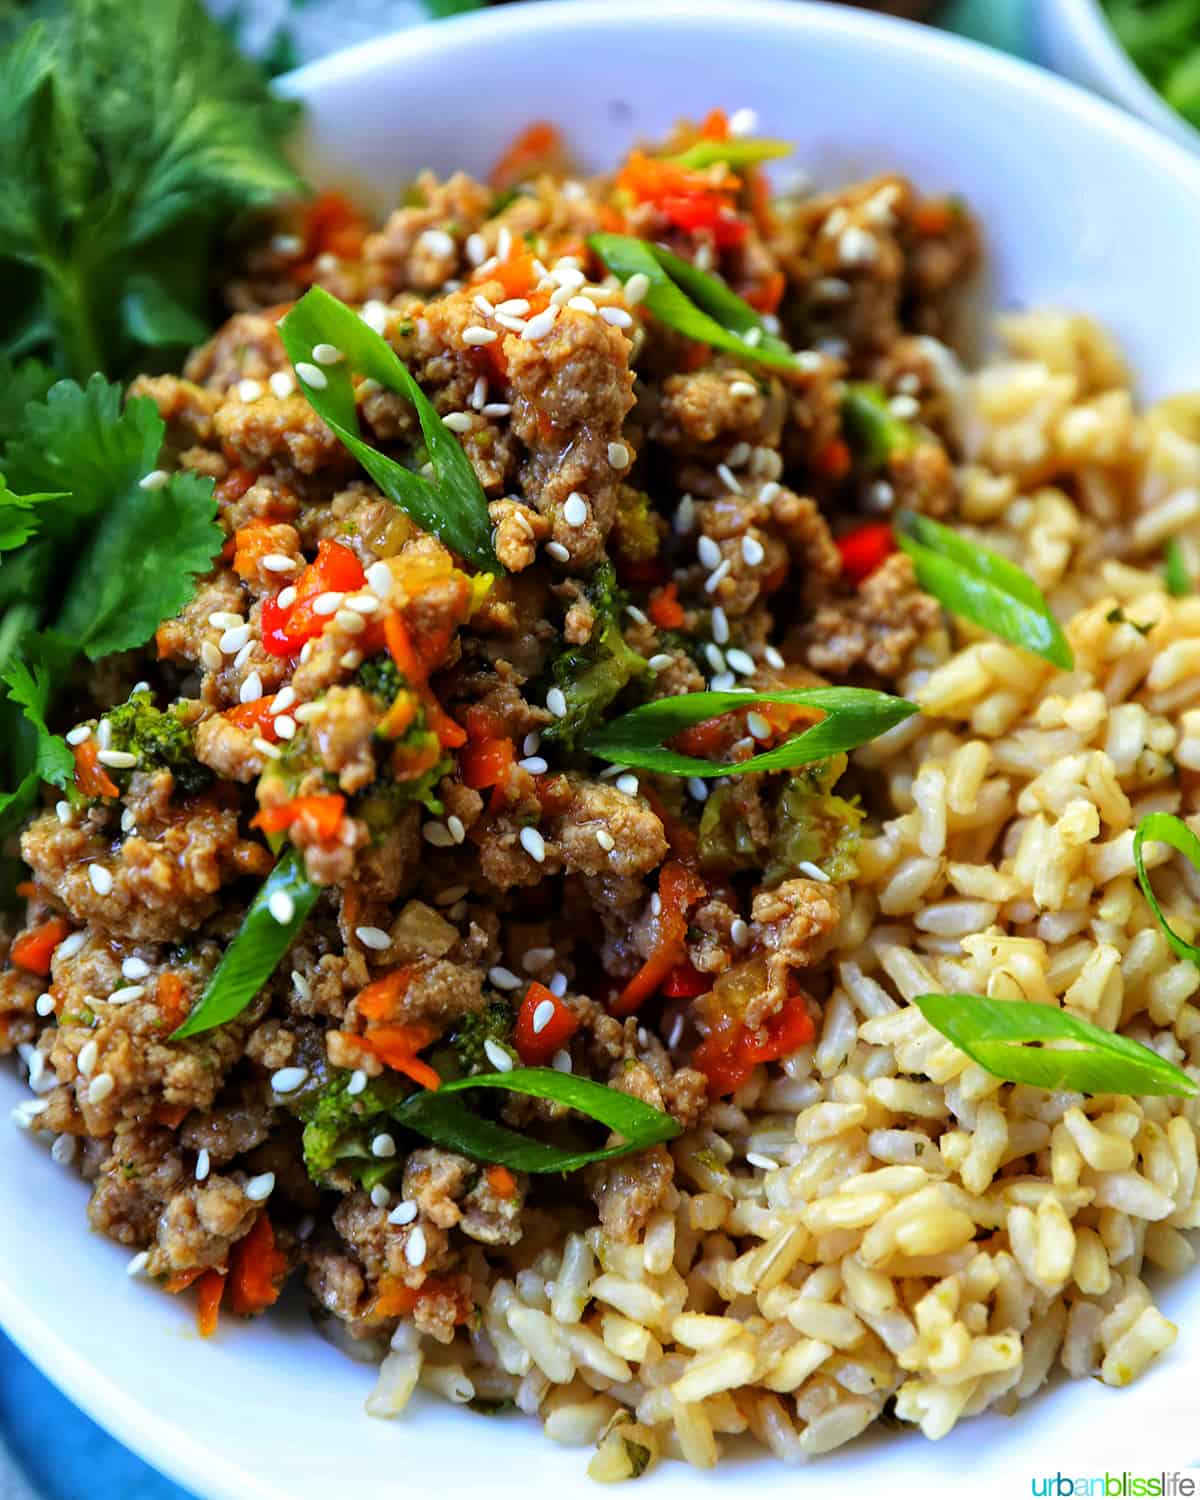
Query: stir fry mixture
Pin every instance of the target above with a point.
(476, 851)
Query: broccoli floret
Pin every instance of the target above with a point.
(338, 1125)
(591, 676)
(157, 737)
(874, 433)
(381, 677)
(637, 528)
(725, 841)
(494, 1023)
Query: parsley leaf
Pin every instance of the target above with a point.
(131, 133)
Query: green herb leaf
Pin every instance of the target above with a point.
(455, 508)
(591, 676)
(261, 942)
(874, 432)
(691, 301)
(48, 757)
(1179, 581)
(441, 1117)
(1008, 1038)
(983, 587)
(1166, 828)
(736, 152)
(852, 717)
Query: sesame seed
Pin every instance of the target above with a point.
(286, 598)
(660, 662)
(723, 682)
(558, 552)
(328, 603)
(101, 879)
(739, 931)
(558, 984)
(27, 1112)
(618, 455)
(260, 1188)
(556, 702)
(533, 844)
(743, 388)
(479, 336)
(476, 249)
(373, 937)
(741, 661)
(814, 872)
(538, 327)
(127, 822)
(728, 478)
(154, 480)
(542, 1016)
(627, 784)
(456, 828)
(358, 1082)
(502, 978)
(44, 1005)
(497, 1056)
(685, 515)
(203, 1164)
(561, 1061)
(703, 258)
(104, 735)
(636, 288)
(698, 788)
(514, 307)
(638, 616)
(752, 550)
(497, 409)
(249, 390)
(856, 247)
(534, 764)
(350, 621)
(119, 760)
(904, 407)
(380, 1196)
(284, 698)
(478, 393)
(70, 945)
(288, 1080)
(251, 689)
(743, 122)
(351, 660)
(379, 579)
(531, 743)
(77, 735)
(282, 907)
(536, 958)
(676, 1032)
(437, 242)
(708, 552)
(575, 509)
(714, 657)
(561, 296)
(312, 375)
(503, 242)
(758, 726)
(285, 726)
(583, 304)
(404, 1212)
(414, 1250)
(265, 747)
(233, 640)
(279, 562)
(243, 655)
(773, 657)
(137, 1263)
(605, 840)
(457, 421)
(655, 903)
(86, 1060)
(437, 834)
(127, 994)
(282, 385)
(714, 578)
(383, 1145)
(63, 1150)
(616, 316)
(765, 1163)
(64, 813)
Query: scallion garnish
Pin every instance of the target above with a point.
(692, 301)
(852, 717)
(875, 432)
(440, 1116)
(268, 929)
(453, 506)
(983, 587)
(735, 152)
(1166, 828)
(1179, 580)
(1014, 1040)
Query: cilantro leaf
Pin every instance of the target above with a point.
(53, 760)
(30, 380)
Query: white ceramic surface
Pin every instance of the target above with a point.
(1074, 38)
(1083, 207)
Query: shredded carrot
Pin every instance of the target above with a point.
(255, 717)
(834, 459)
(401, 649)
(252, 543)
(501, 1181)
(394, 1299)
(664, 607)
(170, 1115)
(381, 998)
(171, 995)
(34, 949)
(90, 776)
(26, 889)
(485, 763)
(678, 888)
(210, 1288)
(182, 1280)
(256, 1269)
(768, 294)
(715, 126)
(397, 1046)
(538, 144)
(322, 813)
(235, 484)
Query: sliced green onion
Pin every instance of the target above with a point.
(983, 587)
(852, 717)
(1166, 828)
(268, 929)
(1179, 580)
(453, 508)
(691, 301)
(440, 1116)
(735, 153)
(874, 432)
(1008, 1039)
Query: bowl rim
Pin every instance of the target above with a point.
(186, 1456)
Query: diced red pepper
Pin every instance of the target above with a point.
(705, 212)
(685, 981)
(256, 718)
(335, 569)
(34, 949)
(678, 888)
(834, 459)
(664, 607)
(381, 998)
(322, 812)
(501, 1181)
(865, 549)
(332, 225)
(171, 997)
(485, 763)
(536, 1046)
(731, 1050)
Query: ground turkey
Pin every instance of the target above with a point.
(628, 1190)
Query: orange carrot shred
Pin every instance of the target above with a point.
(256, 1269)
(210, 1288)
(34, 949)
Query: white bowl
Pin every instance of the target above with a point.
(1084, 207)
(1074, 37)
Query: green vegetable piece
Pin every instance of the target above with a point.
(853, 716)
(735, 153)
(725, 841)
(983, 587)
(1166, 828)
(47, 756)
(1014, 1040)
(443, 1118)
(813, 828)
(693, 302)
(338, 1124)
(494, 1023)
(381, 677)
(1179, 581)
(874, 432)
(455, 507)
(261, 942)
(157, 737)
(1181, 86)
(590, 677)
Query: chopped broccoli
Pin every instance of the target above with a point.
(726, 843)
(338, 1124)
(494, 1023)
(874, 433)
(381, 677)
(157, 737)
(591, 676)
(637, 528)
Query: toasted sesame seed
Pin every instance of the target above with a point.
(380, 1195)
(542, 1016)
(312, 375)
(723, 682)
(437, 242)
(605, 840)
(27, 1112)
(698, 788)
(476, 249)
(127, 994)
(535, 959)
(514, 307)
(70, 945)
(628, 783)
(676, 1033)
(708, 552)
(557, 551)
(616, 316)
(741, 661)
(534, 764)
(383, 1145)
(739, 931)
(856, 247)
(758, 726)
(127, 820)
(279, 562)
(282, 907)
(714, 657)
(533, 844)
(137, 1263)
(286, 598)
(619, 455)
(904, 407)
(655, 904)
(77, 735)
(249, 390)
(561, 296)
(135, 968)
(350, 621)
(373, 937)
(243, 655)
(728, 478)
(497, 409)
(538, 327)
(773, 657)
(358, 1082)
(101, 879)
(404, 1212)
(415, 1248)
(765, 1163)
(437, 834)
(685, 515)
(497, 1056)
(718, 573)
(457, 421)
(285, 726)
(638, 616)
(636, 288)
(743, 388)
(814, 872)
(234, 639)
(251, 689)
(561, 1061)
(282, 385)
(582, 303)
(203, 1164)
(63, 1150)
(265, 747)
(64, 812)
(502, 978)
(44, 1004)
(752, 550)
(351, 660)
(478, 336)
(86, 1060)
(556, 702)
(379, 579)
(558, 984)
(288, 1080)
(119, 760)
(155, 480)
(104, 735)
(703, 258)
(660, 661)
(261, 1187)
(478, 395)
(809, 360)
(328, 603)
(456, 828)
(743, 121)
(531, 743)
(880, 495)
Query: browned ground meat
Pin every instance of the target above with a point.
(874, 630)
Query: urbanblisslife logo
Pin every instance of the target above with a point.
(1123, 1486)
